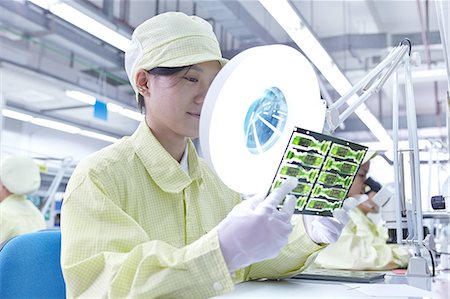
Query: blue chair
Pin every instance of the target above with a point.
(30, 266)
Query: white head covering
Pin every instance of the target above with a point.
(19, 174)
(171, 39)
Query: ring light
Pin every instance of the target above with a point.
(250, 111)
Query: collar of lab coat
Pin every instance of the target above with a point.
(10, 199)
(160, 165)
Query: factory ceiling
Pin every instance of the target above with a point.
(42, 56)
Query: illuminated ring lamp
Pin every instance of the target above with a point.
(250, 111)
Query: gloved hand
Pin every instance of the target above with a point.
(321, 229)
(349, 203)
(326, 230)
(255, 230)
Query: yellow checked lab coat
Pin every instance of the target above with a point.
(18, 216)
(135, 225)
(362, 246)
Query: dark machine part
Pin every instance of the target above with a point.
(438, 202)
(373, 185)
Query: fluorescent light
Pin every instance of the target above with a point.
(81, 96)
(44, 3)
(56, 125)
(16, 115)
(436, 74)
(285, 15)
(114, 107)
(98, 136)
(124, 111)
(131, 114)
(425, 75)
(84, 22)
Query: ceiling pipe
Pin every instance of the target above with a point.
(124, 11)
(106, 10)
(424, 31)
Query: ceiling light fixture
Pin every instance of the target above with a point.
(16, 115)
(86, 98)
(114, 107)
(298, 30)
(81, 96)
(131, 114)
(125, 111)
(432, 74)
(55, 125)
(97, 136)
(84, 22)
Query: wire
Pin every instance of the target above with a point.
(407, 42)
(433, 266)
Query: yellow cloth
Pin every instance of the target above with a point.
(135, 225)
(362, 246)
(19, 216)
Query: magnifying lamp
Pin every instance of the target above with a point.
(250, 110)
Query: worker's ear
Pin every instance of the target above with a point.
(142, 78)
(3, 192)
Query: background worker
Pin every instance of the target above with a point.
(19, 175)
(146, 217)
(358, 189)
(362, 243)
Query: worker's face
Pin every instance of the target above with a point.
(174, 103)
(358, 187)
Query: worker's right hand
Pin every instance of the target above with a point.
(255, 229)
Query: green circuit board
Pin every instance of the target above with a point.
(325, 167)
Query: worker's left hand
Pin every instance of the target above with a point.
(349, 203)
(368, 206)
(322, 230)
(326, 230)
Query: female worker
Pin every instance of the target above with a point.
(19, 175)
(145, 217)
(362, 243)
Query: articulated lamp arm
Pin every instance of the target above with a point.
(369, 85)
(357, 95)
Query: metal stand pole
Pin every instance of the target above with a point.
(417, 266)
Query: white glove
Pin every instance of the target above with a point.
(326, 230)
(321, 229)
(349, 203)
(255, 230)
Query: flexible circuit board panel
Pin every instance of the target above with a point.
(325, 167)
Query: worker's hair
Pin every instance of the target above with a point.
(162, 71)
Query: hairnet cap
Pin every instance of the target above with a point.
(20, 175)
(171, 39)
